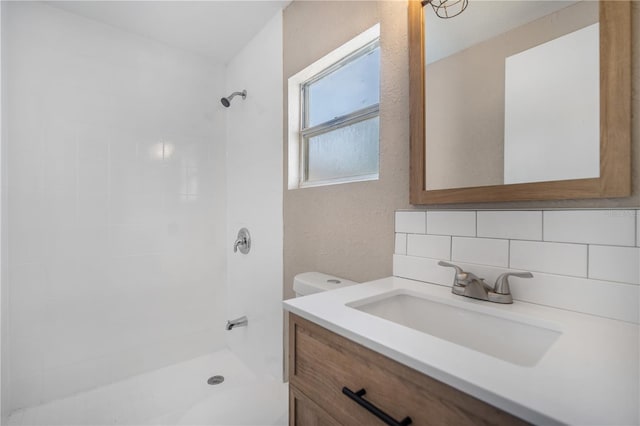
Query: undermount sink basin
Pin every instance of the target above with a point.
(513, 338)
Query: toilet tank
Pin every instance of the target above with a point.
(314, 282)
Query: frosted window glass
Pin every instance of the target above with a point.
(351, 87)
(345, 152)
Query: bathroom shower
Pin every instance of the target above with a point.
(132, 128)
(227, 101)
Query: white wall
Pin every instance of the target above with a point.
(254, 197)
(116, 242)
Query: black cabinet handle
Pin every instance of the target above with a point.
(387, 419)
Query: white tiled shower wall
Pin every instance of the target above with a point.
(582, 260)
(116, 203)
(254, 200)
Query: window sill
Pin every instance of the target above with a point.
(353, 179)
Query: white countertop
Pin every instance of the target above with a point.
(590, 375)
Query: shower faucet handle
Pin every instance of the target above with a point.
(243, 241)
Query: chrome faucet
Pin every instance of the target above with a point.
(243, 241)
(240, 241)
(470, 285)
(238, 322)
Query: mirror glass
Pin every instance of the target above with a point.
(512, 94)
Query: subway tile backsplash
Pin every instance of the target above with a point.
(485, 251)
(434, 246)
(515, 225)
(582, 260)
(614, 263)
(555, 258)
(460, 223)
(412, 222)
(610, 227)
(638, 228)
(401, 243)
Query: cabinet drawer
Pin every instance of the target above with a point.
(304, 412)
(323, 363)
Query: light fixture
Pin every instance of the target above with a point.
(447, 8)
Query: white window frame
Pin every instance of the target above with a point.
(297, 115)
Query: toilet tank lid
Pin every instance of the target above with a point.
(315, 282)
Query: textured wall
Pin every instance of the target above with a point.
(328, 229)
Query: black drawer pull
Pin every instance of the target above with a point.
(387, 419)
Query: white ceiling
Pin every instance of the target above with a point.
(218, 29)
(482, 20)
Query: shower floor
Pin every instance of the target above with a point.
(173, 395)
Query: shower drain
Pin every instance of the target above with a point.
(215, 380)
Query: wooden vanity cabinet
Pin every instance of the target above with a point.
(322, 364)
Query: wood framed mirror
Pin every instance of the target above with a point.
(610, 173)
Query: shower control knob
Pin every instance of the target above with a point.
(243, 241)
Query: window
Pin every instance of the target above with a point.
(334, 116)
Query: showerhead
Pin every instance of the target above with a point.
(227, 101)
